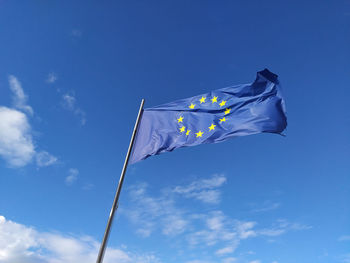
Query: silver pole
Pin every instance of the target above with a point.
(115, 202)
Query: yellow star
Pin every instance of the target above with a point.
(199, 134)
(188, 132)
(214, 99)
(222, 120)
(211, 127)
(222, 103)
(227, 111)
(202, 100)
(180, 119)
(182, 129)
(191, 106)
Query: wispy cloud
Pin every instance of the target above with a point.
(164, 214)
(222, 231)
(245, 229)
(229, 260)
(198, 261)
(43, 158)
(19, 98)
(88, 186)
(225, 250)
(282, 226)
(154, 212)
(69, 103)
(76, 33)
(20, 243)
(72, 177)
(266, 206)
(345, 258)
(51, 77)
(171, 220)
(344, 238)
(203, 190)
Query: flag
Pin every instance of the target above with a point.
(212, 117)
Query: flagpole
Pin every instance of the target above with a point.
(115, 202)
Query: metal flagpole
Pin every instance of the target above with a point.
(115, 202)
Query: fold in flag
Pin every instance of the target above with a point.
(212, 117)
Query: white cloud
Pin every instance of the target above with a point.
(16, 143)
(43, 158)
(72, 177)
(255, 261)
(23, 244)
(203, 189)
(19, 97)
(69, 103)
(51, 77)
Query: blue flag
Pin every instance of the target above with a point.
(212, 117)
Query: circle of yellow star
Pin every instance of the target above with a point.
(227, 111)
(180, 119)
(191, 106)
(222, 103)
(212, 127)
(214, 99)
(188, 132)
(222, 120)
(202, 100)
(182, 129)
(199, 134)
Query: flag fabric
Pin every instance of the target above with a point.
(212, 117)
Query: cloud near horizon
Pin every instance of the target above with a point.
(211, 230)
(23, 244)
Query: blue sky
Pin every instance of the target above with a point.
(72, 76)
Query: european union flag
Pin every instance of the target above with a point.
(212, 117)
